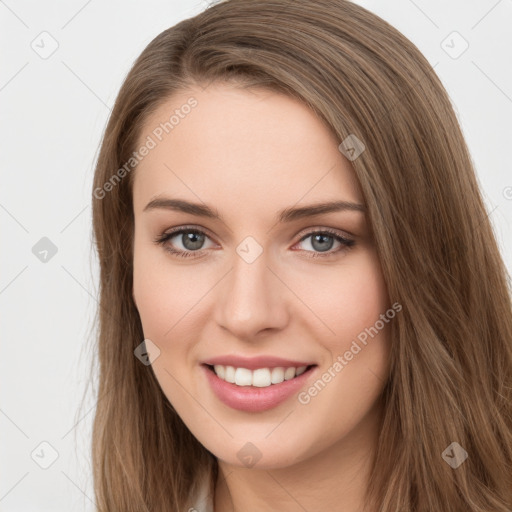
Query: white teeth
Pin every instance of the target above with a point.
(243, 377)
(277, 375)
(261, 378)
(220, 371)
(230, 374)
(289, 373)
(300, 370)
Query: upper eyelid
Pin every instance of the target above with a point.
(330, 231)
(305, 232)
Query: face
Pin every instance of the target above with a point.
(253, 278)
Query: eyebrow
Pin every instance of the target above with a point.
(286, 215)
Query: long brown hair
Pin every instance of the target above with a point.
(451, 369)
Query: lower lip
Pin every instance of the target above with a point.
(252, 398)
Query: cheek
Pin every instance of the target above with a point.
(160, 290)
(152, 290)
(351, 304)
(164, 297)
(172, 302)
(348, 299)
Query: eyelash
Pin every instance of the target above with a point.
(346, 243)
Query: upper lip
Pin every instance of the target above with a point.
(253, 363)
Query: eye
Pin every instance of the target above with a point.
(321, 243)
(191, 240)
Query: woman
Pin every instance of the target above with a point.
(303, 306)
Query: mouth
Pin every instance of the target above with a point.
(259, 377)
(256, 390)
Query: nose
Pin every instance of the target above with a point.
(252, 299)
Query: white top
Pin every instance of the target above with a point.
(203, 501)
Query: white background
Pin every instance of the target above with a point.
(53, 113)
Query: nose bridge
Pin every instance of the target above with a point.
(251, 298)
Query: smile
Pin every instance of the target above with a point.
(256, 390)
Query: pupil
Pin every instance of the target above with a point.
(192, 241)
(320, 239)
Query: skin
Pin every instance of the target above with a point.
(250, 154)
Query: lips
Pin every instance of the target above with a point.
(262, 394)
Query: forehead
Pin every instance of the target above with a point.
(231, 146)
